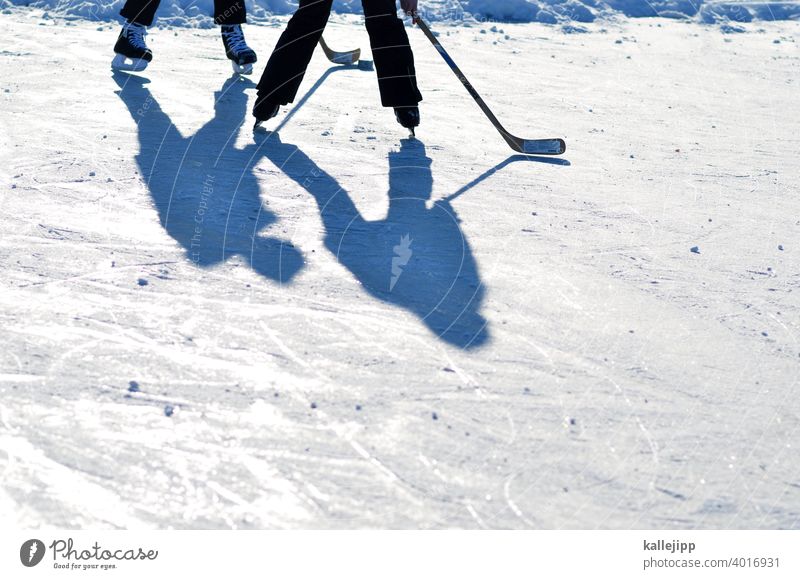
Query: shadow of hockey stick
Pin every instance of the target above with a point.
(512, 159)
(311, 92)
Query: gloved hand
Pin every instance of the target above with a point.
(410, 7)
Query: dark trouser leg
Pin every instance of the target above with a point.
(287, 65)
(229, 12)
(140, 11)
(394, 61)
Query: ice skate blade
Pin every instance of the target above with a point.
(260, 128)
(242, 68)
(121, 62)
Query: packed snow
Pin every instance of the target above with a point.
(333, 326)
(197, 12)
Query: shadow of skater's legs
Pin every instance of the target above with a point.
(203, 187)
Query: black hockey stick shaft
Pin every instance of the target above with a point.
(515, 142)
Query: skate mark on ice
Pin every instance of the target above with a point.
(97, 273)
(341, 432)
(648, 437)
(390, 475)
(21, 377)
(72, 488)
(512, 505)
(474, 514)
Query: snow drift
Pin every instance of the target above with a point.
(196, 12)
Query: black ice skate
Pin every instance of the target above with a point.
(264, 110)
(408, 117)
(242, 56)
(132, 52)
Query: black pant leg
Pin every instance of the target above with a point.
(287, 65)
(229, 12)
(140, 11)
(394, 60)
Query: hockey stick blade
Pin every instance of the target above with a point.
(524, 146)
(349, 57)
(537, 146)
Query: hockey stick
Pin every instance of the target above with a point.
(349, 57)
(345, 58)
(525, 146)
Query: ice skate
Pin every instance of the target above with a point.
(408, 117)
(242, 56)
(263, 111)
(131, 51)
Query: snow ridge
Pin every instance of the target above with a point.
(195, 13)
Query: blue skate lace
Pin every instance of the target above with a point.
(235, 38)
(135, 34)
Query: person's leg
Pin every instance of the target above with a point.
(287, 65)
(227, 12)
(230, 15)
(140, 11)
(131, 51)
(394, 61)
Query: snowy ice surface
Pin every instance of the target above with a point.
(332, 326)
(196, 12)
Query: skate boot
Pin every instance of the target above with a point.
(408, 117)
(264, 110)
(132, 52)
(242, 56)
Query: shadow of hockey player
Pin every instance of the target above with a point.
(416, 258)
(203, 187)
